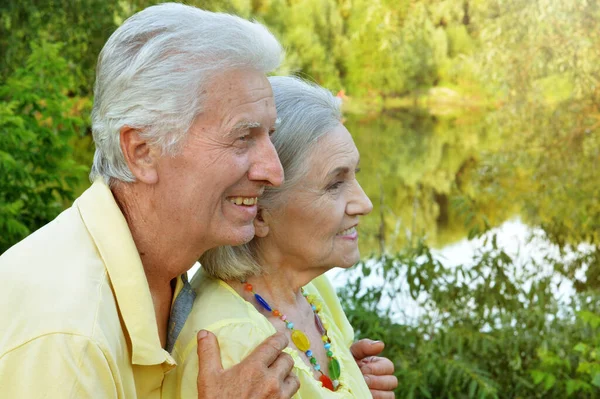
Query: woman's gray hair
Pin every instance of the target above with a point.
(306, 112)
(152, 72)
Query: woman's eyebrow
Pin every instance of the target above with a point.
(339, 170)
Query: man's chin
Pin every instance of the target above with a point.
(243, 235)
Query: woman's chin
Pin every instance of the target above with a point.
(350, 261)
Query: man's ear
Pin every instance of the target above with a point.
(140, 156)
(261, 223)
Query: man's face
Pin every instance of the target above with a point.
(225, 161)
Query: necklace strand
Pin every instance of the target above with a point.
(302, 342)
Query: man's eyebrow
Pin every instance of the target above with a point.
(242, 126)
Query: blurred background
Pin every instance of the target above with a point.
(477, 123)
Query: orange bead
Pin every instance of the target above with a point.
(248, 287)
(327, 383)
(276, 313)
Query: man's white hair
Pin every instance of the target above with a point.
(153, 70)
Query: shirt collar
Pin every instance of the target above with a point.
(110, 232)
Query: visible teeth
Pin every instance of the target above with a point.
(243, 200)
(346, 232)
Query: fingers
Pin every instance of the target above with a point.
(291, 384)
(378, 373)
(283, 365)
(209, 354)
(381, 382)
(375, 365)
(382, 395)
(269, 350)
(366, 347)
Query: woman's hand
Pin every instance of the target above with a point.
(265, 374)
(378, 371)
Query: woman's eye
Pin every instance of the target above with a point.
(335, 185)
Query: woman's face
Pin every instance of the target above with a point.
(316, 224)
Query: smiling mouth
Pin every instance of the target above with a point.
(347, 232)
(244, 201)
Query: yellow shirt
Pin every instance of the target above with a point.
(240, 328)
(76, 315)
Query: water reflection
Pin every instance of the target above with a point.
(412, 167)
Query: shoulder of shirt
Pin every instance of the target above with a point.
(57, 281)
(217, 308)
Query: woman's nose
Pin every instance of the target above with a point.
(360, 204)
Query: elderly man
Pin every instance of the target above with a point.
(92, 303)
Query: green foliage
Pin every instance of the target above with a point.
(81, 26)
(493, 329)
(38, 121)
(524, 76)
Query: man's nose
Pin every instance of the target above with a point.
(266, 165)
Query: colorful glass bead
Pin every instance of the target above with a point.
(327, 346)
(314, 308)
(336, 384)
(300, 340)
(309, 353)
(334, 368)
(326, 381)
(262, 302)
(324, 338)
(276, 313)
(290, 325)
(319, 325)
(313, 360)
(283, 317)
(248, 287)
(317, 367)
(329, 354)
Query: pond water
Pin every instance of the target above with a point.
(448, 178)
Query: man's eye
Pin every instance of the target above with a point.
(245, 137)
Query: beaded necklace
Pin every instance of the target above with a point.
(301, 340)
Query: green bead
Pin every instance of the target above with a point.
(334, 369)
(329, 354)
(313, 360)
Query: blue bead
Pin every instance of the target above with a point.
(309, 353)
(317, 367)
(264, 303)
(290, 325)
(327, 346)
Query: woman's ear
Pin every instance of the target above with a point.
(140, 156)
(261, 224)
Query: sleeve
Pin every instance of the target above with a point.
(236, 342)
(56, 366)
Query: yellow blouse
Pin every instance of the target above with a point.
(240, 328)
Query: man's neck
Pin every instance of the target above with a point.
(163, 254)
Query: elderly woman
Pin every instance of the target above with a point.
(275, 283)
